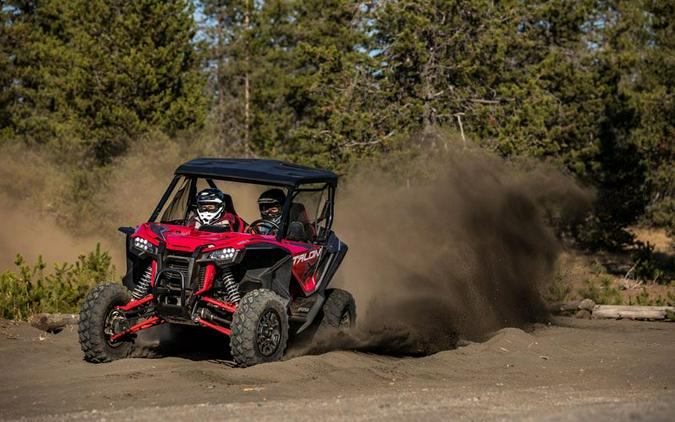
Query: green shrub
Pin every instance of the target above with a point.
(645, 299)
(670, 316)
(29, 289)
(642, 299)
(600, 291)
(598, 268)
(558, 290)
(646, 266)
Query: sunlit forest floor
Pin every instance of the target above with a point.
(610, 277)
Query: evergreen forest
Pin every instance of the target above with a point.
(585, 85)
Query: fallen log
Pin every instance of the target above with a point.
(587, 305)
(53, 323)
(571, 307)
(583, 314)
(564, 307)
(632, 312)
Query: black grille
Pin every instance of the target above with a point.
(178, 254)
(179, 264)
(172, 297)
(182, 264)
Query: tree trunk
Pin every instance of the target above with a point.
(219, 80)
(247, 86)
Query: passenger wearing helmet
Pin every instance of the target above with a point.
(271, 203)
(211, 211)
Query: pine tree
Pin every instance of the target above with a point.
(309, 82)
(34, 106)
(656, 104)
(507, 69)
(639, 50)
(104, 72)
(290, 78)
(11, 38)
(227, 25)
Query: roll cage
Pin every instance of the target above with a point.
(296, 180)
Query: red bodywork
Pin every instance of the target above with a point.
(305, 256)
(187, 239)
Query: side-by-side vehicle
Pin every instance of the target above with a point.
(257, 284)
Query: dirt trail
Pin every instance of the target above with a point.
(605, 370)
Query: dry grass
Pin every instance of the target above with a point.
(610, 278)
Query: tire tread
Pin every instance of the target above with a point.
(336, 303)
(244, 325)
(92, 315)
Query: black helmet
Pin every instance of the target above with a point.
(210, 205)
(269, 199)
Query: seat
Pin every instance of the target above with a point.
(228, 204)
(298, 213)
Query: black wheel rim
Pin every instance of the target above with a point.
(269, 333)
(112, 321)
(345, 319)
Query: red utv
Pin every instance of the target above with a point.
(255, 288)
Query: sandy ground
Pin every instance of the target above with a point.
(571, 370)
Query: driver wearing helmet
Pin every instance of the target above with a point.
(211, 211)
(271, 203)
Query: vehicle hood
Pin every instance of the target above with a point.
(187, 239)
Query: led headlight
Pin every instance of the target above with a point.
(224, 255)
(143, 245)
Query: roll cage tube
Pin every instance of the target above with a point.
(192, 192)
(165, 198)
(292, 193)
(285, 215)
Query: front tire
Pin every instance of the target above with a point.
(259, 328)
(97, 315)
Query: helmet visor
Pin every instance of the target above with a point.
(270, 210)
(208, 207)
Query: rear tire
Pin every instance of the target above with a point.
(339, 311)
(259, 328)
(97, 312)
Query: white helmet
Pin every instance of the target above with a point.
(210, 205)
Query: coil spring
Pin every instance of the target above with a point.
(143, 286)
(230, 287)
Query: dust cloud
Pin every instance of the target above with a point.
(29, 186)
(459, 250)
(41, 218)
(462, 252)
(30, 234)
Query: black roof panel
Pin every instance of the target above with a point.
(269, 172)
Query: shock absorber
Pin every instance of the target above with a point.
(143, 286)
(230, 286)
